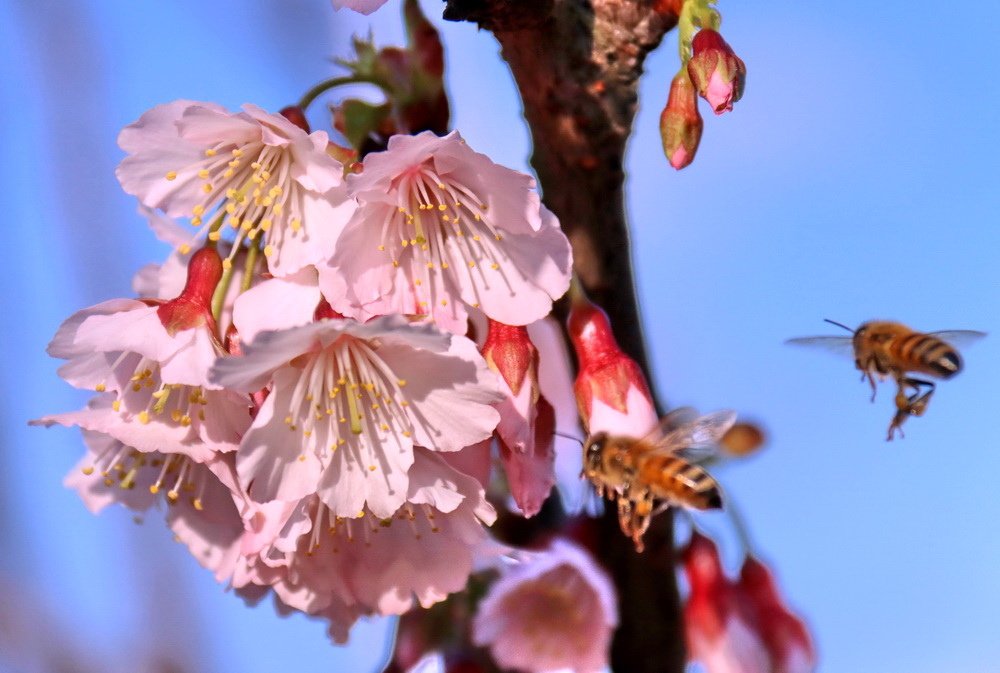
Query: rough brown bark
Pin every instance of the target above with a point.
(577, 65)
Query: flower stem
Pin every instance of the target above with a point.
(312, 94)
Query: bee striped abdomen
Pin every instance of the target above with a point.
(927, 353)
(675, 479)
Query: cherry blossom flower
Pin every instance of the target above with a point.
(439, 227)
(348, 402)
(555, 380)
(199, 496)
(149, 361)
(261, 173)
(369, 564)
(556, 609)
(361, 6)
(721, 633)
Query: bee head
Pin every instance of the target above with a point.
(592, 450)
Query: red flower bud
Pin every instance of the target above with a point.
(193, 306)
(717, 72)
(296, 115)
(680, 122)
(784, 634)
(606, 373)
(509, 352)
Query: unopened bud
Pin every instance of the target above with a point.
(607, 374)
(509, 352)
(193, 306)
(296, 115)
(718, 74)
(680, 122)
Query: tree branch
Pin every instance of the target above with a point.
(577, 65)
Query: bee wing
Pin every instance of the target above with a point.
(959, 337)
(838, 345)
(697, 439)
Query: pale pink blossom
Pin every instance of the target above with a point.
(555, 380)
(556, 609)
(347, 404)
(277, 303)
(261, 173)
(199, 497)
(362, 6)
(384, 565)
(155, 393)
(440, 227)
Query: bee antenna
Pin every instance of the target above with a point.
(838, 324)
(575, 439)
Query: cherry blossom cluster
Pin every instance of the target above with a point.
(296, 382)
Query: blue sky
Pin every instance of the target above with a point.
(857, 179)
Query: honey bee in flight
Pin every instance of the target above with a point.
(882, 349)
(646, 475)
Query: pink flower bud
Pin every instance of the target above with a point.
(680, 122)
(719, 629)
(607, 375)
(784, 634)
(510, 353)
(527, 421)
(716, 71)
(193, 306)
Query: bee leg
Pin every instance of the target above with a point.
(912, 405)
(871, 381)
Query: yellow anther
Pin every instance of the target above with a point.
(444, 302)
(88, 471)
(186, 420)
(494, 266)
(227, 264)
(207, 188)
(275, 191)
(395, 263)
(407, 433)
(444, 265)
(268, 250)
(381, 248)
(116, 405)
(255, 165)
(403, 210)
(172, 495)
(176, 415)
(171, 175)
(430, 265)
(154, 489)
(302, 458)
(442, 207)
(401, 383)
(231, 194)
(278, 208)
(237, 152)
(196, 503)
(265, 225)
(210, 153)
(203, 174)
(371, 468)
(295, 224)
(214, 235)
(195, 221)
(143, 417)
(472, 265)
(476, 237)
(288, 420)
(100, 387)
(228, 173)
(198, 210)
(184, 248)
